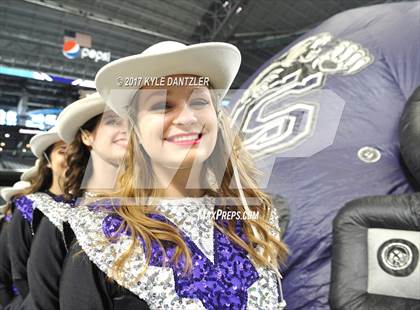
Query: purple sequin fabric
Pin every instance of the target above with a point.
(60, 198)
(8, 218)
(15, 290)
(25, 206)
(104, 205)
(111, 226)
(219, 285)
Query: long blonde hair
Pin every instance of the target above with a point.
(136, 182)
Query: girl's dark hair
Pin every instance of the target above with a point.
(77, 158)
(42, 181)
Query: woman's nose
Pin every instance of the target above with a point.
(123, 125)
(185, 116)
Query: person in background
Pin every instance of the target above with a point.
(8, 292)
(46, 186)
(97, 141)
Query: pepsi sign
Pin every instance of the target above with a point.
(72, 50)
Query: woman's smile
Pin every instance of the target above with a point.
(123, 142)
(185, 139)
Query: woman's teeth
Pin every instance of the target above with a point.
(185, 138)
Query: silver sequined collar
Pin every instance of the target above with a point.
(194, 217)
(157, 285)
(55, 211)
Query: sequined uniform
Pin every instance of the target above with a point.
(222, 276)
(20, 237)
(47, 254)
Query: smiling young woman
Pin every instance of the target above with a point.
(97, 141)
(152, 248)
(46, 188)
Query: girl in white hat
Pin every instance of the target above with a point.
(161, 245)
(45, 188)
(97, 140)
(8, 293)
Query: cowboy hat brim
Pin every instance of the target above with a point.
(31, 172)
(40, 142)
(8, 192)
(77, 114)
(219, 62)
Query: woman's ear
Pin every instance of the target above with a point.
(86, 137)
(48, 160)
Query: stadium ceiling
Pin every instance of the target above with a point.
(32, 32)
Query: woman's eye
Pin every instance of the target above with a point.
(199, 103)
(161, 107)
(111, 121)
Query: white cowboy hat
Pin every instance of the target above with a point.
(40, 142)
(8, 192)
(77, 114)
(219, 62)
(28, 174)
